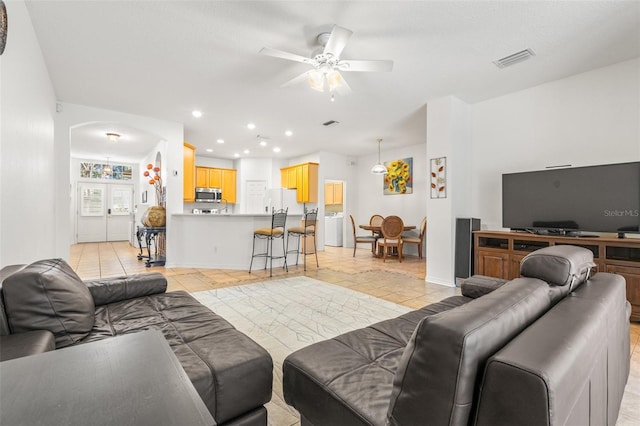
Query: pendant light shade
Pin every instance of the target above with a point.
(379, 169)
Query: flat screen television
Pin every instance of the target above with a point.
(603, 198)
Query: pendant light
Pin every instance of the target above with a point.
(379, 169)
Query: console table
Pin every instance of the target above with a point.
(498, 254)
(134, 379)
(151, 237)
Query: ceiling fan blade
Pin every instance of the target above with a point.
(366, 66)
(302, 77)
(337, 41)
(285, 55)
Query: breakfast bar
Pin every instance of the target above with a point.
(219, 241)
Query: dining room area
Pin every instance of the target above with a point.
(390, 237)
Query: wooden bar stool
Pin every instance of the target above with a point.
(278, 221)
(308, 229)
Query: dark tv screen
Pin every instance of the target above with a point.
(602, 198)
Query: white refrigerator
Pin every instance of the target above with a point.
(282, 198)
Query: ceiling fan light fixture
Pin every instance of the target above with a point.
(316, 80)
(379, 169)
(334, 79)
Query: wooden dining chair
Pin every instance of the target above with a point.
(417, 240)
(392, 227)
(365, 239)
(376, 220)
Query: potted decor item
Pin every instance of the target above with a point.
(155, 216)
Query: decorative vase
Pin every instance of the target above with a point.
(155, 217)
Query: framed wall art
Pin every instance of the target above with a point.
(399, 177)
(438, 175)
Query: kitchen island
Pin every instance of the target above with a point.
(221, 241)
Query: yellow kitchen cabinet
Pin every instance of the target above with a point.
(304, 178)
(228, 185)
(333, 193)
(289, 177)
(202, 177)
(213, 177)
(189, 173)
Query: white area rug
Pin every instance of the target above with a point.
(289, 314)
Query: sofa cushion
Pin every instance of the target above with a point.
(348, 380)
(231, 372)
(561, 265)
(440, 369)
(110, 290)
(49, 295)
(479, 285)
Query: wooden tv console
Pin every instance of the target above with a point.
(498, 254)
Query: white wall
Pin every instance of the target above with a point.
(27, 166)
(448, 135)
(590, 118)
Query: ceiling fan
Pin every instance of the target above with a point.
(327, 63)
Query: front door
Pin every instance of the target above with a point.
(104, 212)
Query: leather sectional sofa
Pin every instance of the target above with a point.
(45, 305)
(549, 348)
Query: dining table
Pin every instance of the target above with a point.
(377, 229)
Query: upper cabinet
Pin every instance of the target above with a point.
(333, 193)
(212, 177)
(189, 173)
(304, 179)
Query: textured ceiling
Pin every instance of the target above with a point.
(165, 58)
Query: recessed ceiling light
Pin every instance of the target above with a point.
(196, 113)
(288, 133)
(209, 150)
(276, 149)
(220, 141)
(263, 143)
(236, 155)
(251, 126)
(246, 151)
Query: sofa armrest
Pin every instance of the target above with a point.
(110, 290)
(23, 344)
(479, 285)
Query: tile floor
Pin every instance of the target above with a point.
(401, 283)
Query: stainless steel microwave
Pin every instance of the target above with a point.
(208, 195)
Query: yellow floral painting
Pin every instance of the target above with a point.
(399, 177)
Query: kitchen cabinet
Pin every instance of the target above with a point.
(333, 193)
(213, 177)
(499, 253)
(304, 179)
(289, 177)
(189, 173)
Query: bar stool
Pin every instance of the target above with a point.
(278, 221)
(308, 229)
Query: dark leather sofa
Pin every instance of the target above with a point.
(45, 305)
(549, 348)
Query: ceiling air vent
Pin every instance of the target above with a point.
(330, 123)
(514, 58)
